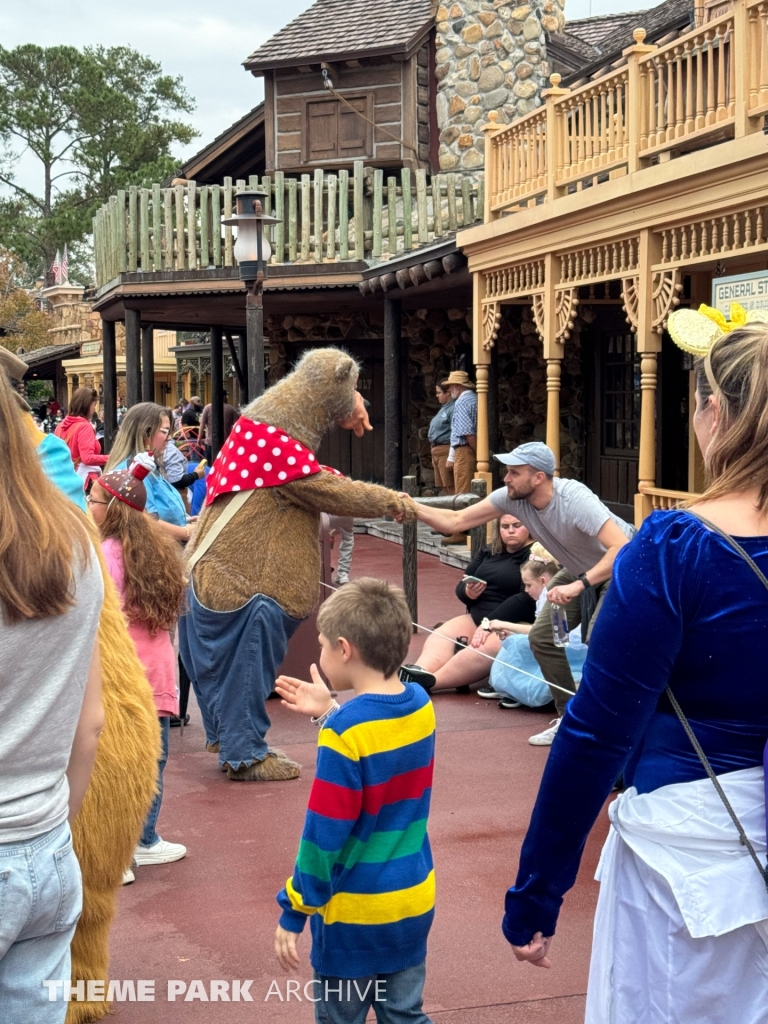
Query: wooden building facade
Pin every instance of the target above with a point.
(616, 201)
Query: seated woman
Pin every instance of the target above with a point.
(516, 678)
(447, 661)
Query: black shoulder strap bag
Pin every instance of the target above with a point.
(687, 725)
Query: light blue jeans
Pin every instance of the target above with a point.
(41, 896)
(395, 998)
(149, 835)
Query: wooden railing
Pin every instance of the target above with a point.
(661, 500)
(703, 88)
(325, 218)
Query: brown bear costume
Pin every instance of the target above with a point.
(260, 577)
(124, 777)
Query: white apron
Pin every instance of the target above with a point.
(681, 927)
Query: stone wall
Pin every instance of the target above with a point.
(490, 55)
(522, 378)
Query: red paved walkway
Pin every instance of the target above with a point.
(213, 915)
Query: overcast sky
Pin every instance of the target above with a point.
(205, 42)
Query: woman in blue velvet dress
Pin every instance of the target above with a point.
(681, 928)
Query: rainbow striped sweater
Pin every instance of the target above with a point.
(364, 871)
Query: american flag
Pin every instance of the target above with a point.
(64, 266)
(56, 268)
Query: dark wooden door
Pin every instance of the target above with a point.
(362, 458)
(612, 393)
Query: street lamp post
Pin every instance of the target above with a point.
(252, 252)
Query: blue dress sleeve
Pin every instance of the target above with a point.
(623, 678)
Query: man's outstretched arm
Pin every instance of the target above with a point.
(448, 521)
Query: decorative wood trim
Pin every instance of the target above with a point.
(630, 295)
(515, 281)
(566, 301)
(732, 233)
(538, 314)
(667, 286)
(604, 262)
(491, 323)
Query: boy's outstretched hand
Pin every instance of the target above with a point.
(285, 948)
(308, 698)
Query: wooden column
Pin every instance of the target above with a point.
(254, 320)
(243, 346)
(393, 459)
(553, 350)
(109, 357)
(648, 347)
(217, 391)
(132, 357)
(148, 363)
(481, 356)
(493, 415)
(554, 369)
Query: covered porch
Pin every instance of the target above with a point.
(606, 208)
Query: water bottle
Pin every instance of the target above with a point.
(560, 625)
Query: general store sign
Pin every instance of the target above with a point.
(749, 290)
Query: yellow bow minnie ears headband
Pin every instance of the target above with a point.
(696, 330)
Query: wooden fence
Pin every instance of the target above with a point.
(325, 218)
(704, 87)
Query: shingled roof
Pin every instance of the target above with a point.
(336, 29)
(595, 30)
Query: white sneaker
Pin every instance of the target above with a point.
(128, 877)
(341, 579)
(544, 739)
(161, 853)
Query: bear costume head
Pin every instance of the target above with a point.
(318, 394)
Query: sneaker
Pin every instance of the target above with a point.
(417, 674)
(128, 877)
(510, 702)
(488, 693)
(160, 853)
(545, 738)
(341, 579)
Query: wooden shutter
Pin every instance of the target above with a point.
(353, 130)
(322, 130)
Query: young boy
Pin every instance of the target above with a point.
(364, 870)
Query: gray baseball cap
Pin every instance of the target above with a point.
(534, 453)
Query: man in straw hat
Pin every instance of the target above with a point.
(462, 455)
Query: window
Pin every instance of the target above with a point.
(334, 132)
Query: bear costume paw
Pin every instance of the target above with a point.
(275, 767)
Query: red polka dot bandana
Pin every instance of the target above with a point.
(256, 455)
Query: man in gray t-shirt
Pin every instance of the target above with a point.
(573, 525)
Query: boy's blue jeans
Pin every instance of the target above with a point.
(396, 999)
(41, 896)
(232, 659)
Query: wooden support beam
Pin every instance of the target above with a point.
(433, 269)
(392, 403)
(417, 274)
(403, 278)
(648, 347)
(217, 392)
(410, 556)
(148, 363)
(453, 261)
(132, 357)
(109, 358)
(236, 365)
(388, 282)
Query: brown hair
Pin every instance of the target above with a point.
(496, 544)
(42, 531)
(736, 372)
(540, 562)
(139, 426)
(153, 590)
(373, 616)
(81, 403)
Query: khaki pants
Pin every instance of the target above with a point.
(443, 478)
(552, 660)
(464, 465)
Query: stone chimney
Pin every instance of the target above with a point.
(491, 55)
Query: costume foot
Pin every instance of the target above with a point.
(274, 768)
(212, 748)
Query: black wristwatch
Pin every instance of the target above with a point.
(583, 577)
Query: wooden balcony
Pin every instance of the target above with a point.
(699, 90)
(327, 218)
